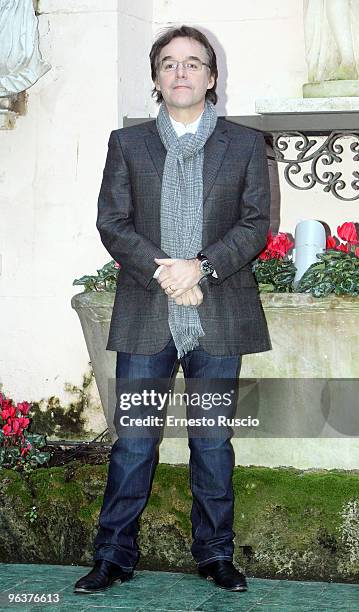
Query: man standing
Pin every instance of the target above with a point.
(184, 208)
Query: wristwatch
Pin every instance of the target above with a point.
(206, 267)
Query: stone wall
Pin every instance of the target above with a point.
(288, 523)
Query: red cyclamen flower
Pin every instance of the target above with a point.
(277, 246)
(8, 412)
(343, 247)
(331, 242)
(26, 449)
(347, 231)
(7, 430)
(23, 407)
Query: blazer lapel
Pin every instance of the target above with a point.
(156, 150)
(214, 152)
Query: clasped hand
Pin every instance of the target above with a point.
(179, 279)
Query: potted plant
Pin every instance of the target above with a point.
(312, 338)
(19, 449)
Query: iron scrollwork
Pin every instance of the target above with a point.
(330, 151)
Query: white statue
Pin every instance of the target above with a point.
(21, 64)
(332, 39)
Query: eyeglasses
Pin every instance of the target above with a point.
(194, 65)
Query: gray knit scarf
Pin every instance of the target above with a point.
(182, 212)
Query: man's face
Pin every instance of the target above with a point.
(182, 89)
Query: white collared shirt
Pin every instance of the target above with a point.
(181, 128)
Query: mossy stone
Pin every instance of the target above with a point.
(288, 523)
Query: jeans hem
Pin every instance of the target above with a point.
(99, 556)
(216, 558)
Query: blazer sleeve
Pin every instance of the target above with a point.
(133, 251)
(248, 236)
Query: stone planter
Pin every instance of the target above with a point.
(94, 310)
(294, 397)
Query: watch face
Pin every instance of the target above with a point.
(206, 267)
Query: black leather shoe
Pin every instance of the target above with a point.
(224, 574)
(101, 577)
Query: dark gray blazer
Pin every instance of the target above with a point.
(236, 203)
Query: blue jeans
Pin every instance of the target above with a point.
(133, 462)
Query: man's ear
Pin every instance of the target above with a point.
(210, 82)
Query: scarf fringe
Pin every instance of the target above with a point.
(186, 339)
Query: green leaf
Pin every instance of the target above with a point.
(266, 287)
(38, 440)
(106, 279)
(83, 280)
(2, 455)
(275, 275)
(42, 457)
(335, 273)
